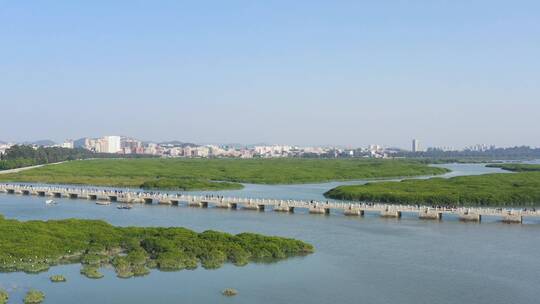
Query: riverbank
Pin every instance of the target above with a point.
(517, 189)
(217, 174)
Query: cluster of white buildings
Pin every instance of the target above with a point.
(4, 147)
(126, 145)
(105, 144)
(480, 148)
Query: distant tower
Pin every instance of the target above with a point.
(415, 145)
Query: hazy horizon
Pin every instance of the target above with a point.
(449, 73)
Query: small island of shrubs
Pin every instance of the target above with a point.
(229, 292)
(58, 279)
(34, 297)
(4, 296)
(132, 251)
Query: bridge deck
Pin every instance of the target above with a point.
(387, 210)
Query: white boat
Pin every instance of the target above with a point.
(103, 202)
(50, 202)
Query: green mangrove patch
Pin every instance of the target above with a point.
(34, 246)
(229, 292)
(516, 167)
(34, 297)
(217, 174)
(57, 278)
(500, 189)
(4, 296)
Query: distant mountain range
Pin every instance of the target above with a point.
(178, 143)
(41, 142)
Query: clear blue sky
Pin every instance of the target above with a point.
(297, 72)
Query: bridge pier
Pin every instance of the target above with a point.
(470, 217)
(225, 205)
(353, 212)
(512, 219)
(199, 204)
(256, 207)
(222, 205)
(164, 201)
(103, 198)
(319, 210)
(289, 209)
(125, 199)
(430, 215)
(391, 213)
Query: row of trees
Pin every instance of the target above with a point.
(19, 156)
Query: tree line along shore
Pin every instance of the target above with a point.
(521, 188)
(217, 174)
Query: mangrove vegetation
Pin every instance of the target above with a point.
(229, 292)
(217, 174)
(4, 296)
(57, 278)
(34, 297)
(516, 189)
(34, 246)
(516, 167)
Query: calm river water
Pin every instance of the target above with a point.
(357, 260)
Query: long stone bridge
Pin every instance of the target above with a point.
(350, 209)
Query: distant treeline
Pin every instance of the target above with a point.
(19, 156)
(523, 152)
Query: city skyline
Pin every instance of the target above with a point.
(306, 73)
(414, 144)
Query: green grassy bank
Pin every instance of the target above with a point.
(216, 174)
(517, 189)
(34, 246)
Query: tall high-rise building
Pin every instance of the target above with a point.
(68, 143)
(113, 144)
(415, 145)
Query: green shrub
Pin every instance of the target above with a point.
(58, 279)
(34, 297)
